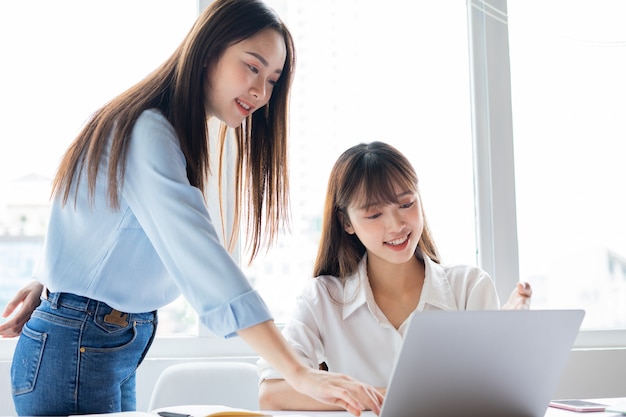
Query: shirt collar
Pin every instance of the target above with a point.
(437, 290)
(357, 289)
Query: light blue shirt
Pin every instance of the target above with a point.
(159, 243)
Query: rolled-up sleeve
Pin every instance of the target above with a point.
(174, 217)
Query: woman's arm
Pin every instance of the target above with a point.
(277, 394)
(326, 387)
(29, 298)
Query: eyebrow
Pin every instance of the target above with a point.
(263, 60)
(368, 206)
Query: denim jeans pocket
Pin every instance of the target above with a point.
(110, 320)
(26, 361)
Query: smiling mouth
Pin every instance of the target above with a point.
(244, 105)
(399, 241)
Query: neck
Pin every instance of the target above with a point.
(388, 277)
(397, 288)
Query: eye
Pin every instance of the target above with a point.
(407, 205)
(373, 216)
(253, 69)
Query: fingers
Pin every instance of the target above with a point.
(379, 396)
(338, 390)
(524, 289)
(13, 327)
(13, 304)
(341, 395)
(349, 406)
(29, 294)
(363, 397)
(10, 329)
(349, 394)
(526, 292)
(520, 297)
(28, 298)
(371, 399)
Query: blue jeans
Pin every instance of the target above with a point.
(79, 356)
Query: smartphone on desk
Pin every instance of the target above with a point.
(580, 406)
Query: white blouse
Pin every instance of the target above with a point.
(343, 326)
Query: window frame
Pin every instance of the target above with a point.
(490, 78)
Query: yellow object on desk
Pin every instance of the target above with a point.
(206, 411)
(186, 411)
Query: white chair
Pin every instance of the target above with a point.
(234, 384)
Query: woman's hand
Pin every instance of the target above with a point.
(278, 394)
(520, 297)
(339, 390)
(327, 387)
(29, 298)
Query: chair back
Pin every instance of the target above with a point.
(233, 384)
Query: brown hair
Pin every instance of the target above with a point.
(365, 174)
(176, 89)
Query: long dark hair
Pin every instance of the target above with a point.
(176, 89)
(365, 174)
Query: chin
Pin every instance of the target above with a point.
(232, 122)
(233, 125)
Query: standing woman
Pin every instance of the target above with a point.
(129, 228)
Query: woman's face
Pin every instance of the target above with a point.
(390, 232)
(243, 79)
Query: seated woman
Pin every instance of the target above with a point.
(377, 264)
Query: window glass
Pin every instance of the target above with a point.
(568, 60)
(364, 73)
(398, 74)
(61, 61)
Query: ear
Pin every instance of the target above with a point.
(345, 222)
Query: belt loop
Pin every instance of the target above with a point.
(52, 297)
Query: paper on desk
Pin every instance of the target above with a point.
(620, 407)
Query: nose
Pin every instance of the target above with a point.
(395, 222)
(258, 90)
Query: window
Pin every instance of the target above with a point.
(351, 86)
(61, 61)
(568, 61)
(368, 73)
(398, 73)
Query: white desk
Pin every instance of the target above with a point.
(557, 412)
(550, 412)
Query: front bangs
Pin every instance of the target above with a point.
(379, 186)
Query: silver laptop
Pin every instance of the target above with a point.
(481, 363)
